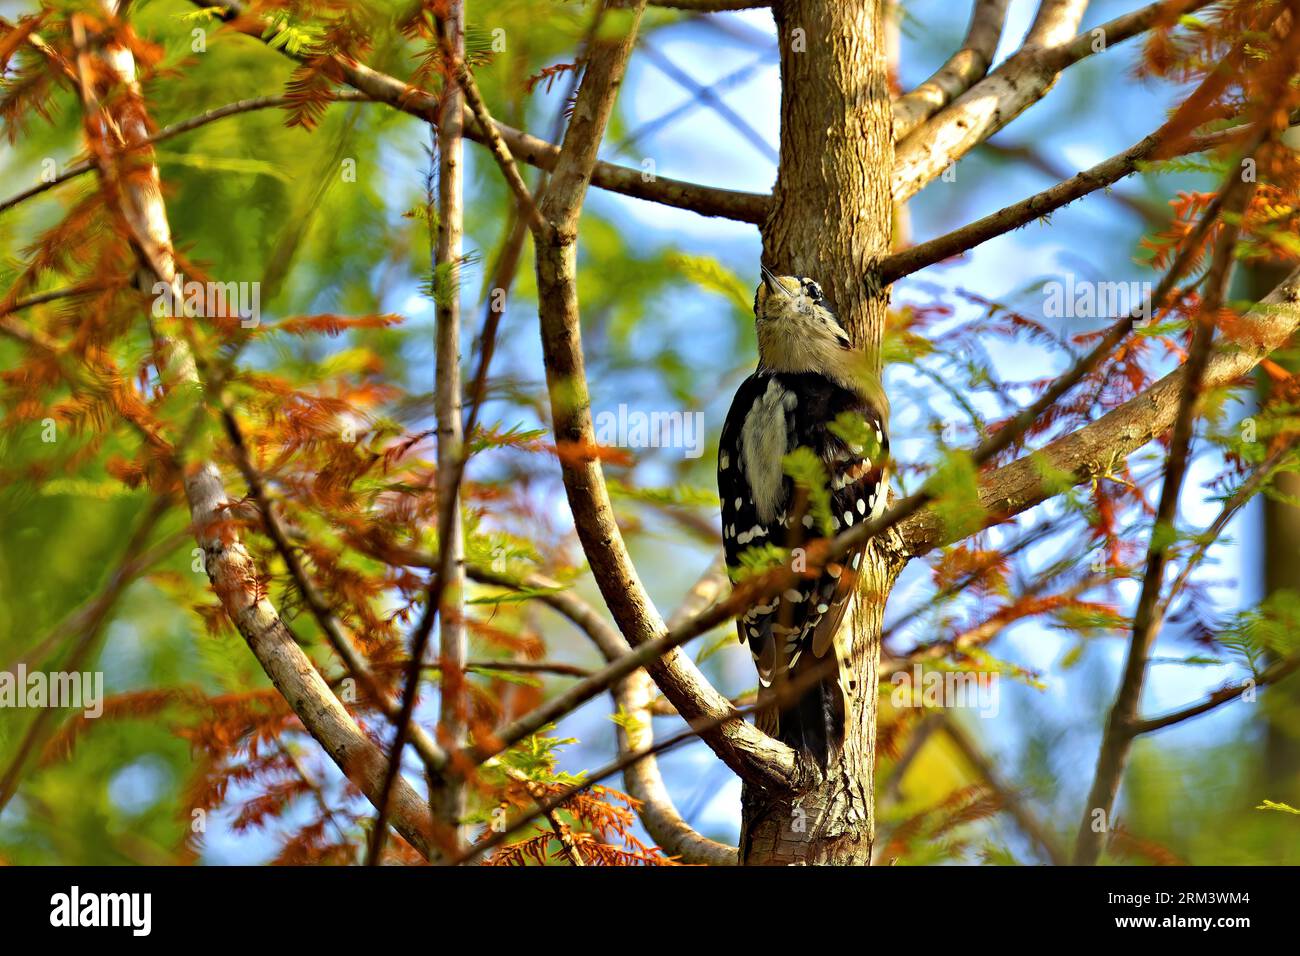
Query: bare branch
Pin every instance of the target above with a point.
(492, 139)
(1009, 90)
(956, 76)
(1055, 22)
(449, 797)
(1012, 217)
(1271, 675)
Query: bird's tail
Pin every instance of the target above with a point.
(811, 722)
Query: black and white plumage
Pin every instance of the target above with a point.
(808, 376)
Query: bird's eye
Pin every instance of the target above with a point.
(812, 290)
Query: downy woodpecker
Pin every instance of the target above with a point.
(809, 378)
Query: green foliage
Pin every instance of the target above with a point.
(681, 496)
(283, 32)
(955, 485)
(1280, 807)
(757, 560)
(853, 429)
(809, 476)
(1271, 628)
(710, 274)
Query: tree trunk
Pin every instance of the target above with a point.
(831, 220)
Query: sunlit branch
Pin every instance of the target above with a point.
(449, 798)
(963, 68)
(433, 756)
(1017, 83)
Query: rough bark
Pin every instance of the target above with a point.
(831, 219)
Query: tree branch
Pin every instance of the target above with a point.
(923, 531)
(958, 74)
(433, 756)
(449, 798)
(699, 729)
(1095, 449)
(1271, 675)
(1009, 90)
(908, 261)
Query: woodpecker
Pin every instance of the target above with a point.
(809, 376)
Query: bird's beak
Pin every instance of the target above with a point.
(769, 280)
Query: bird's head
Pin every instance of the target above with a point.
(798, 331)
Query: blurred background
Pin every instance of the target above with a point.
(666, 328)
